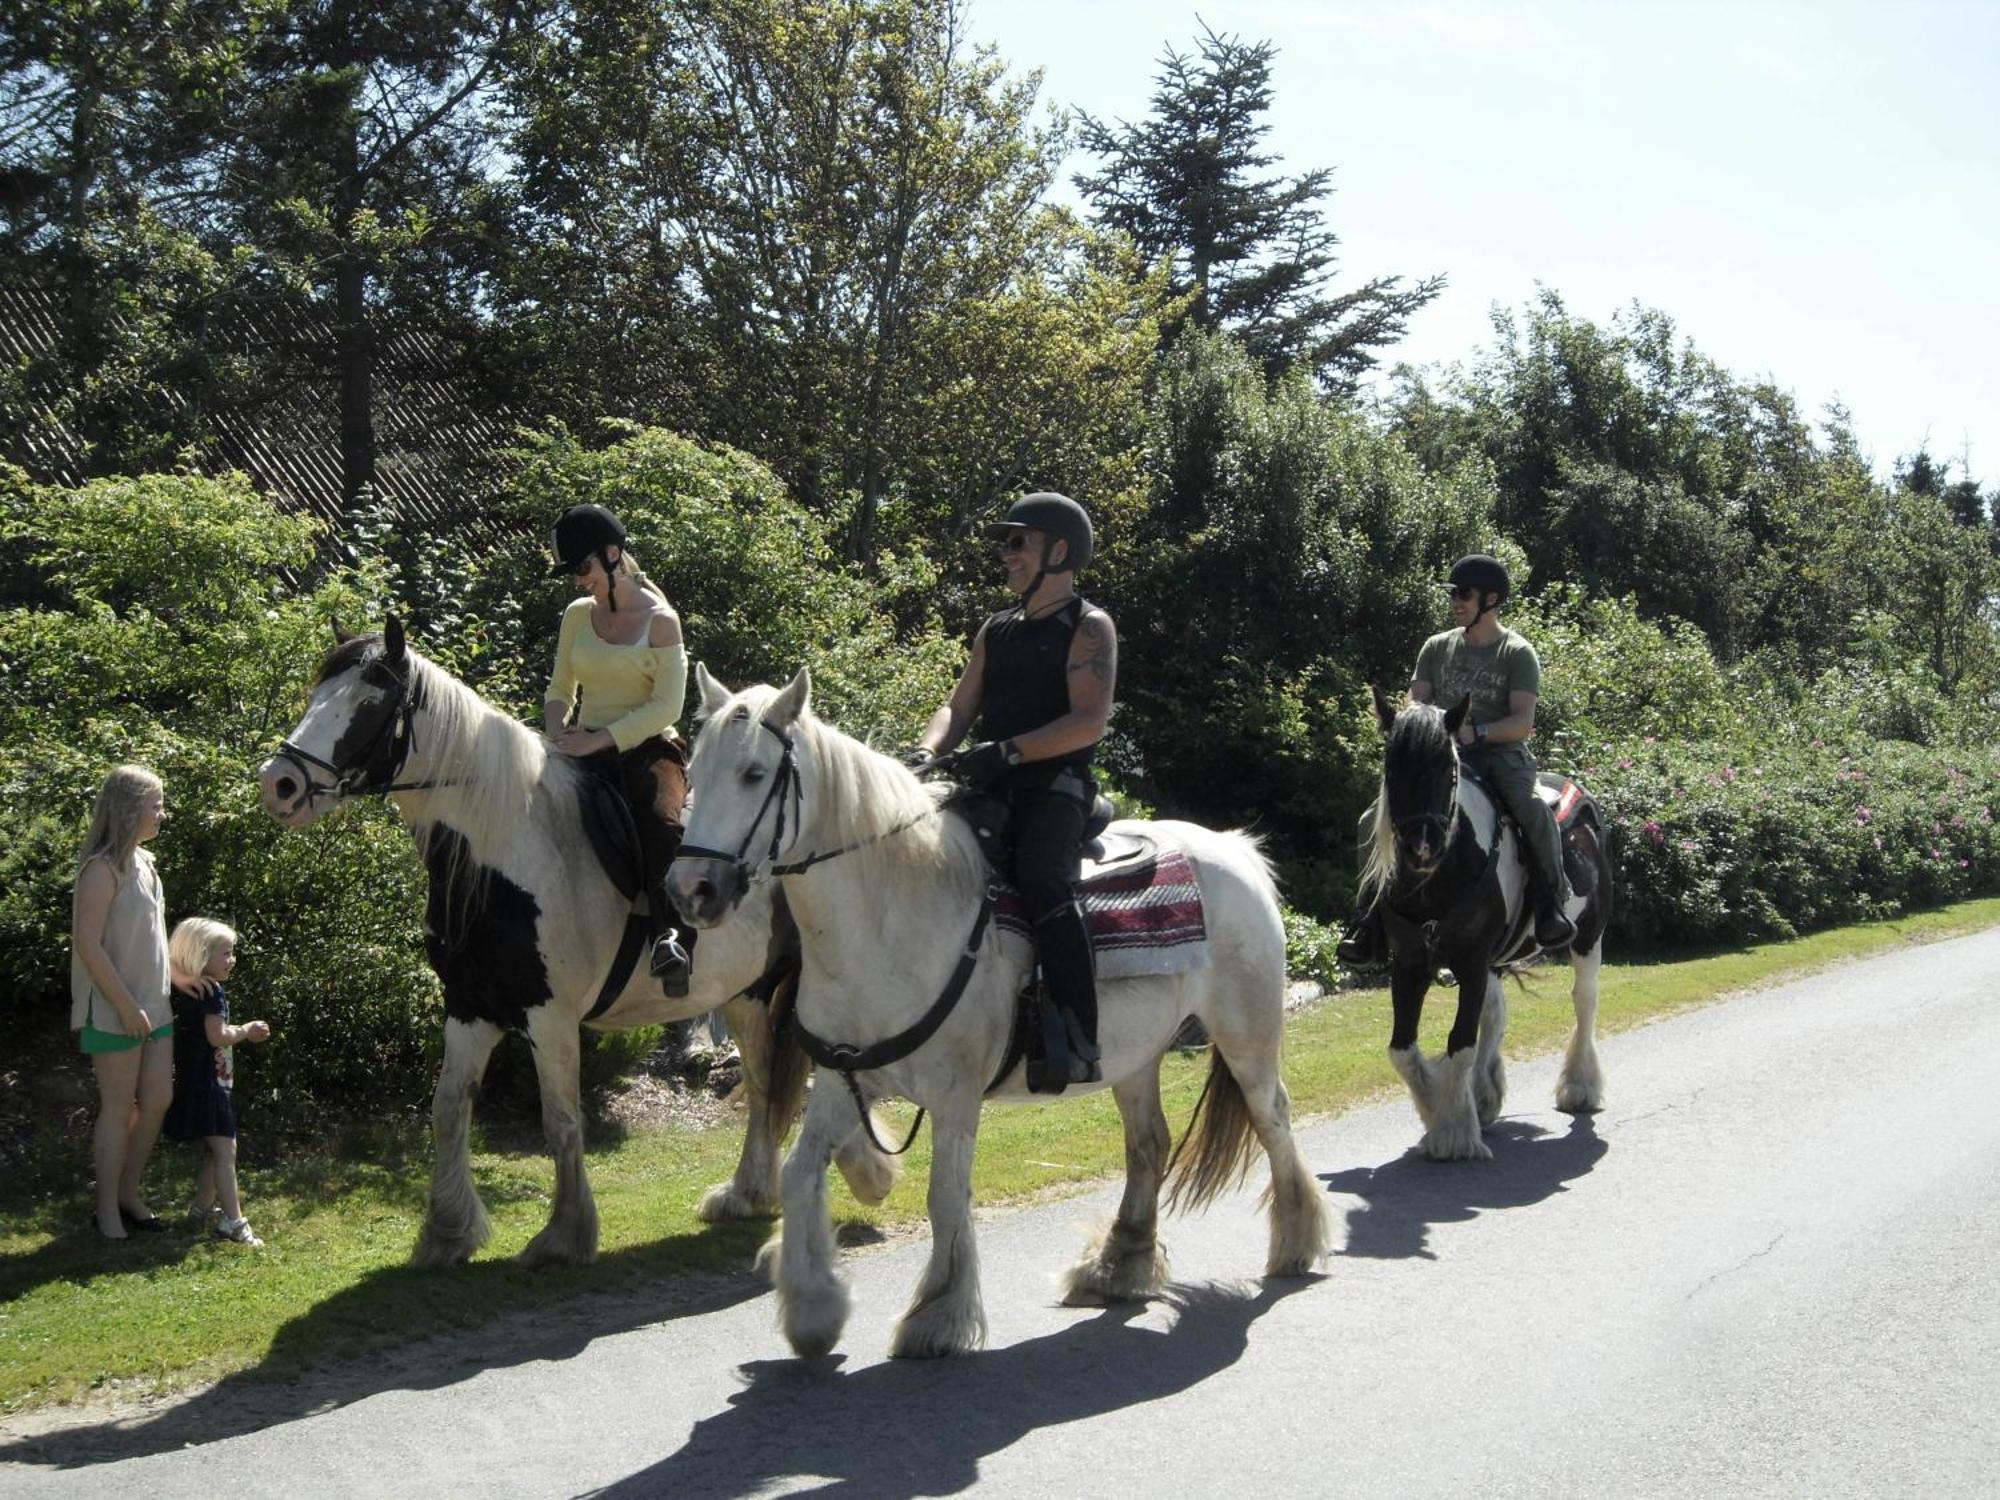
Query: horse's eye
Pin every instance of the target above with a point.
(753, 774)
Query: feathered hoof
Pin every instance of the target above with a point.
(1122, 1266)
(1577, 1097)
(1489, 1091)
(766, 1262)
(728, 1200)
(438, 1252)
(561, 1245)
(813, 1316)
(1300, 1238)
(871, 1174)
(938, 1329)
(1458, 1141)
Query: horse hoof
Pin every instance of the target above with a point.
(726, 1202)
(1579, 1099)
(1456, 1145)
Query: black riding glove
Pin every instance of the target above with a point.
(984, 763)
(917, 757)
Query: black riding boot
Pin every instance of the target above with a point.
(1554, 931)
(673, 951)
(1366, 945)
(1070, 968)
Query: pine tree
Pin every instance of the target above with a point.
(1190, 183)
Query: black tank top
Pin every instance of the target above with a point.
(1027, 676)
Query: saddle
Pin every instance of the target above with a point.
(1142, 913)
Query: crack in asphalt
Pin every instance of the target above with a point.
(1709, 1281)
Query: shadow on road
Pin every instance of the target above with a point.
(906, 1427)
(334, 1354)
(1401, 1199)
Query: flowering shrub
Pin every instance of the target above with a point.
(1719, 844)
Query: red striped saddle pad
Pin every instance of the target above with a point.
(1144, 914)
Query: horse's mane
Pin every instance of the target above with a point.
(862, 797)
(492, 761)
(1416, 739)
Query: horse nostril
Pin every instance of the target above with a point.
(286, 788)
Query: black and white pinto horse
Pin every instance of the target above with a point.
(1447, 871)
(522, 927)
(909, 990)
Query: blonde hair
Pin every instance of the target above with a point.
(114, 819)
(194, 943)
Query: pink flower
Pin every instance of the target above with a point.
(1649, 739)
(1862, 815)
(1729, 773)
(1878, 842)
(1965, 864)
(1625, 763)
(1656, 833)
(1687, 846)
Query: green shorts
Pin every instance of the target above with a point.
(117, 1041)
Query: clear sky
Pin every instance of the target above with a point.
(1811, 191)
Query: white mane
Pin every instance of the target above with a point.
(492, 762)
(869, 803)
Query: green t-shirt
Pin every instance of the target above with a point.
(1488, 673)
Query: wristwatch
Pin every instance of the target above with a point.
(1012, 751)
(1479, 736)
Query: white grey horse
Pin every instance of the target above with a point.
(522, 927)
(890, 895)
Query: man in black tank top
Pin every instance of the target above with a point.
(1039, 687)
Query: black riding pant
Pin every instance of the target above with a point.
(1045, 833)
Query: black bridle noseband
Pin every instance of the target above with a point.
(390, 749)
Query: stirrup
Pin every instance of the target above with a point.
(671, 966)
(1560, 930)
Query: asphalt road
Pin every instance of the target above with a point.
(1771, 1266)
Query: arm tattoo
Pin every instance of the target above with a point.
(1100, 652)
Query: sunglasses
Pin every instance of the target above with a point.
(1014, 541)
(1465, 593)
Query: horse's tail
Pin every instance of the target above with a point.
(788, 1065)
(1222, 1137)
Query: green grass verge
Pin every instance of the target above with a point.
(158, 1313)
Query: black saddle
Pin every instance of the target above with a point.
(614, 837)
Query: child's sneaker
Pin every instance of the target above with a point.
(238, 1231)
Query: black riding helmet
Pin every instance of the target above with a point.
(581, 532)
(1486, 574)
(1056, 516)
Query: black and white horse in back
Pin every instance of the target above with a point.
(1446, 870)
(523, 926)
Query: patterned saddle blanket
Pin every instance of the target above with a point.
(1141, 903)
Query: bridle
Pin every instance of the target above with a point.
(785, 792)
(390, 749)
(1445, 824)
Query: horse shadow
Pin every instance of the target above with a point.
(1401, 1199)
(343, 1349)
(797, 1419)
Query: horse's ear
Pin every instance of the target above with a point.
(794, 700)
(393, 644)
(1385, 711)
(341, 637)
(710, 695)
(1457, 716)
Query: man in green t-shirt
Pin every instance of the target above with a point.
(1496, 667)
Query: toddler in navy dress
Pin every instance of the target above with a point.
(204, 1107)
